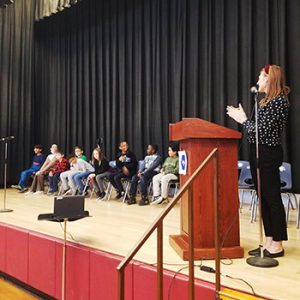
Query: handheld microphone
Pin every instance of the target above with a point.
(7, 138)
(254, 90)
(99, 142)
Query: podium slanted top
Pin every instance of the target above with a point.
(192, 128)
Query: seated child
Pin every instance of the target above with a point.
(168, 172)
(37, 186)
(127, 165)
(78, 150)
(95, 164)
(101, 166)
(77, 166)
(150, 167)
(61, 165)
(37, 163)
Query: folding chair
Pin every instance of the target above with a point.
(245, 183)
(286, 187)
(109, 187)
(87, 183)
(175, 183)
(126, 184)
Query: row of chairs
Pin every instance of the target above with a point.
(245, 183)
(126, 184)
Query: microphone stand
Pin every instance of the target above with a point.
(4, 209)
(259, 261)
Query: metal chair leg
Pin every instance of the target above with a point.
(127, 184)
(298, 215)
(92, 192)
(296, 202)
(254, 209)
(288, 209)
(241, 198)
(287, 206)
(85, 186)
(253, 195)
(108, 192)
(150, 188)
(176, 189)
(60, 190)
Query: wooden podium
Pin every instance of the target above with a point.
(198, 138)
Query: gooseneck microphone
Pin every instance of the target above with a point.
(254, 89)
(7, 138)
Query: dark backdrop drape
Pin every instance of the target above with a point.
(16, 91)
(126, 69)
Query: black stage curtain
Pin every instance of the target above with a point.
(16, 91)
(46, 8)
(126, 69)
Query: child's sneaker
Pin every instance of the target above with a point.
(157, 200)
(23, 190)
(144, 201)
(130, 201)
(18, 187)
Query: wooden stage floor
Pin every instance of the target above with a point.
(115, 227)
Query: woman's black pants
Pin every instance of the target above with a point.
(273, 213)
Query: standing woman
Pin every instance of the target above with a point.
(272, 116)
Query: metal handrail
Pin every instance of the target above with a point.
(158, 224)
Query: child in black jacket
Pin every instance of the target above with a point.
(127, 164)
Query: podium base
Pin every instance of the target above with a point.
(4, 210)
(181, 247)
